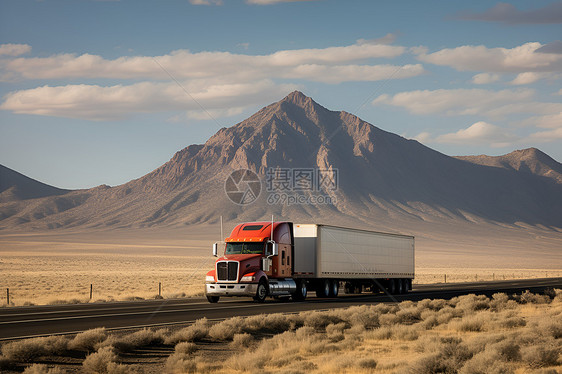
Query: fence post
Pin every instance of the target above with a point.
(8, 296)
(91, 291)
(159, 288)
(445, 278)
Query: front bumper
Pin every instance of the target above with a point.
(231, 289)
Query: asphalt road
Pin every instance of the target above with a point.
(22, 322)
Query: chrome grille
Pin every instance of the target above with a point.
(227, 271)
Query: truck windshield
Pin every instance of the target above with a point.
(244, 248)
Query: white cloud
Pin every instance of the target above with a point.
(14, 49)
(547, 136)
(529, 77)
(485, 78)
(348, 73)
(183, 64)
(521, 59)
(423, 137)
(549, 121)
(115, 102)
(456, 101)
(479, 133)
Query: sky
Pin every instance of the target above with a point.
(103, 92)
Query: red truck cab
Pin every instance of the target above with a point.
(254, 263)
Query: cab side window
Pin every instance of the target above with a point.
(282, 257)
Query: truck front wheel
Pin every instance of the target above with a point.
(213, 299)
(261, 293)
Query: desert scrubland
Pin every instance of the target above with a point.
(59, 267)
(467, 334)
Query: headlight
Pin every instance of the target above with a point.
(210, 279)
(248, 278)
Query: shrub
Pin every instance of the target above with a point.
(541, 355)
(485, 363)
(185, 348)
(472, 303)
(30, 349)
(531, 298)
(88, 340)
(513, 322)
(367, 363)
(435, 363)
(196, 332)
(103, 361)
(472, 323)
(319, 320)
(271, 323)
(409, 315)
(551, 328)
(181, 361)
(225, 330)
(179, 364)
(132, 341)
(42, 369)
(363, 317)
(242, 340)
(335, 331)
(506, 350)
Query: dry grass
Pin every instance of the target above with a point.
(55, 269)
(468, 334)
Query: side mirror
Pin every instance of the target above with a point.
(215, 249)
(275, 249)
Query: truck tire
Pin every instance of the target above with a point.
(323, 288)
(261, 293)
(405, 285)
(334, 288)
(213, 299)
(301, 292)
(399, 286)
(391, 288)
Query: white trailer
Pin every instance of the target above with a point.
(360, 258)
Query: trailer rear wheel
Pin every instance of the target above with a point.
(405, 286)
(391, 288)
(323, 288)
(301, 292)
(400, 286)
(334, 288)
(213, 299)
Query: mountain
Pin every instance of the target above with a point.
(384, 179)
(530, 160)
(15, 187)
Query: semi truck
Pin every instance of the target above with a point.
(283, 259)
